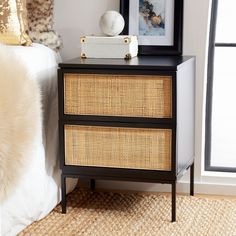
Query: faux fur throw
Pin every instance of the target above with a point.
(40, 20)
(20, 120)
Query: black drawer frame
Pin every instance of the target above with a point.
(95, 173)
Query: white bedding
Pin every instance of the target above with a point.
(39, 189)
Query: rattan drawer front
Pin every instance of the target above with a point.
(118, 95)
(136, 148)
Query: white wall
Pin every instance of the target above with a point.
(76, 18)
(196, 26)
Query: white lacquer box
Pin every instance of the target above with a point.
(122, 46)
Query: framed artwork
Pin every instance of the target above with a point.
(158, 25)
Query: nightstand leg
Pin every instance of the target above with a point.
(192, 180)
(63, 193)
(173, 202)
(92, 184)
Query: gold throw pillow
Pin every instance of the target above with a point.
(13, 22)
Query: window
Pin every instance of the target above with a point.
(220, 138)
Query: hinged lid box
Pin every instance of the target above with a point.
(122, 46)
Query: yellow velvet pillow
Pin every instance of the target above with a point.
(13, 22)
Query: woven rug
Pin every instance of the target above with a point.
(107, 214)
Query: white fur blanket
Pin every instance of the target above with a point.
(20, 120)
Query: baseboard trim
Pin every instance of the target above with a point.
(182, 187)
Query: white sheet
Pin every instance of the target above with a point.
(39, 189)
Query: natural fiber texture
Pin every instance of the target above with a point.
(113, 214)
(40, 18)
(118, 147)
(117, 95)
(13, 23)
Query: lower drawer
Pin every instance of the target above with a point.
(134, 148)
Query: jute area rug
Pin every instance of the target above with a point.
(107, 214)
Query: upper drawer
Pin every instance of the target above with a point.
(118, 95)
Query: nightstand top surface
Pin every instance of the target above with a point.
(168, 63)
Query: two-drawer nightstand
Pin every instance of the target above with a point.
(127, 120)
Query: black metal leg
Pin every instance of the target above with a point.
(173, 202)
(192, 180)
(92, 184)
(63, 193)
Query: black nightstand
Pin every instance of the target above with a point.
(127, 120)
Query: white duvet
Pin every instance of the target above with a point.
(39, 189)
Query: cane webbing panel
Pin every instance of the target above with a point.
(136, 148)
(118, 95)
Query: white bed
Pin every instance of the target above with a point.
(38, 191)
